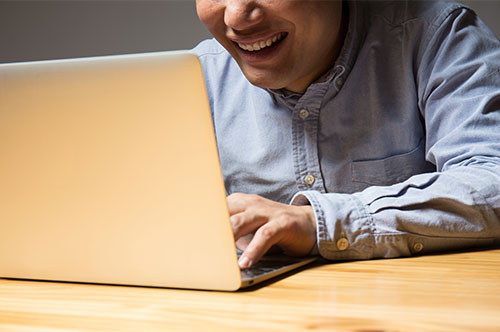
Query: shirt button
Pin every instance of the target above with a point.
(303, 114)
(418, 247)
(342, 244)
(309, 179)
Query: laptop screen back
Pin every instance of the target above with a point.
(109, 173)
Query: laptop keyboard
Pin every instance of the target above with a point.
(267, 264)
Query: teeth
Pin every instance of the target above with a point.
(260, 45)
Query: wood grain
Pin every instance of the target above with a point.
(446, 292)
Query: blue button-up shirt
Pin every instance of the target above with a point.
(396, 147)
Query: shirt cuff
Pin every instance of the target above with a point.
(344, 226)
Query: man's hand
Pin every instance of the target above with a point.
(292, 228)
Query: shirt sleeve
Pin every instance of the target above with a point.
(458, 206)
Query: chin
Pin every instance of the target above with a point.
(264, 82)
(261, 77)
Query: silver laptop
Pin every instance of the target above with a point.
(109, 173)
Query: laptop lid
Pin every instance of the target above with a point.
(109, 173)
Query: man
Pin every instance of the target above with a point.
(378, 121)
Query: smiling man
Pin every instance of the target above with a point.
(354, 129)
(278, 44)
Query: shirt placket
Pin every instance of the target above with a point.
(305, 126)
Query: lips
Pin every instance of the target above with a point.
(262, 44)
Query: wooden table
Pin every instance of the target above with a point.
(446, 292)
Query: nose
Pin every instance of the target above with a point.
(240, 15)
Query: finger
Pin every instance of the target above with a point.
(245, 223)
(242, 242)
(238, 202)
(265, 237)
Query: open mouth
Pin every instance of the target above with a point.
(264, 44)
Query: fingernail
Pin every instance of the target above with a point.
(244, 262)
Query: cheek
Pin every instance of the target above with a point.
(209, 13)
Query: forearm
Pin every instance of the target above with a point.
(429, 212)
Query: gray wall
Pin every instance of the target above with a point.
(488, 10)
(34, 30)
